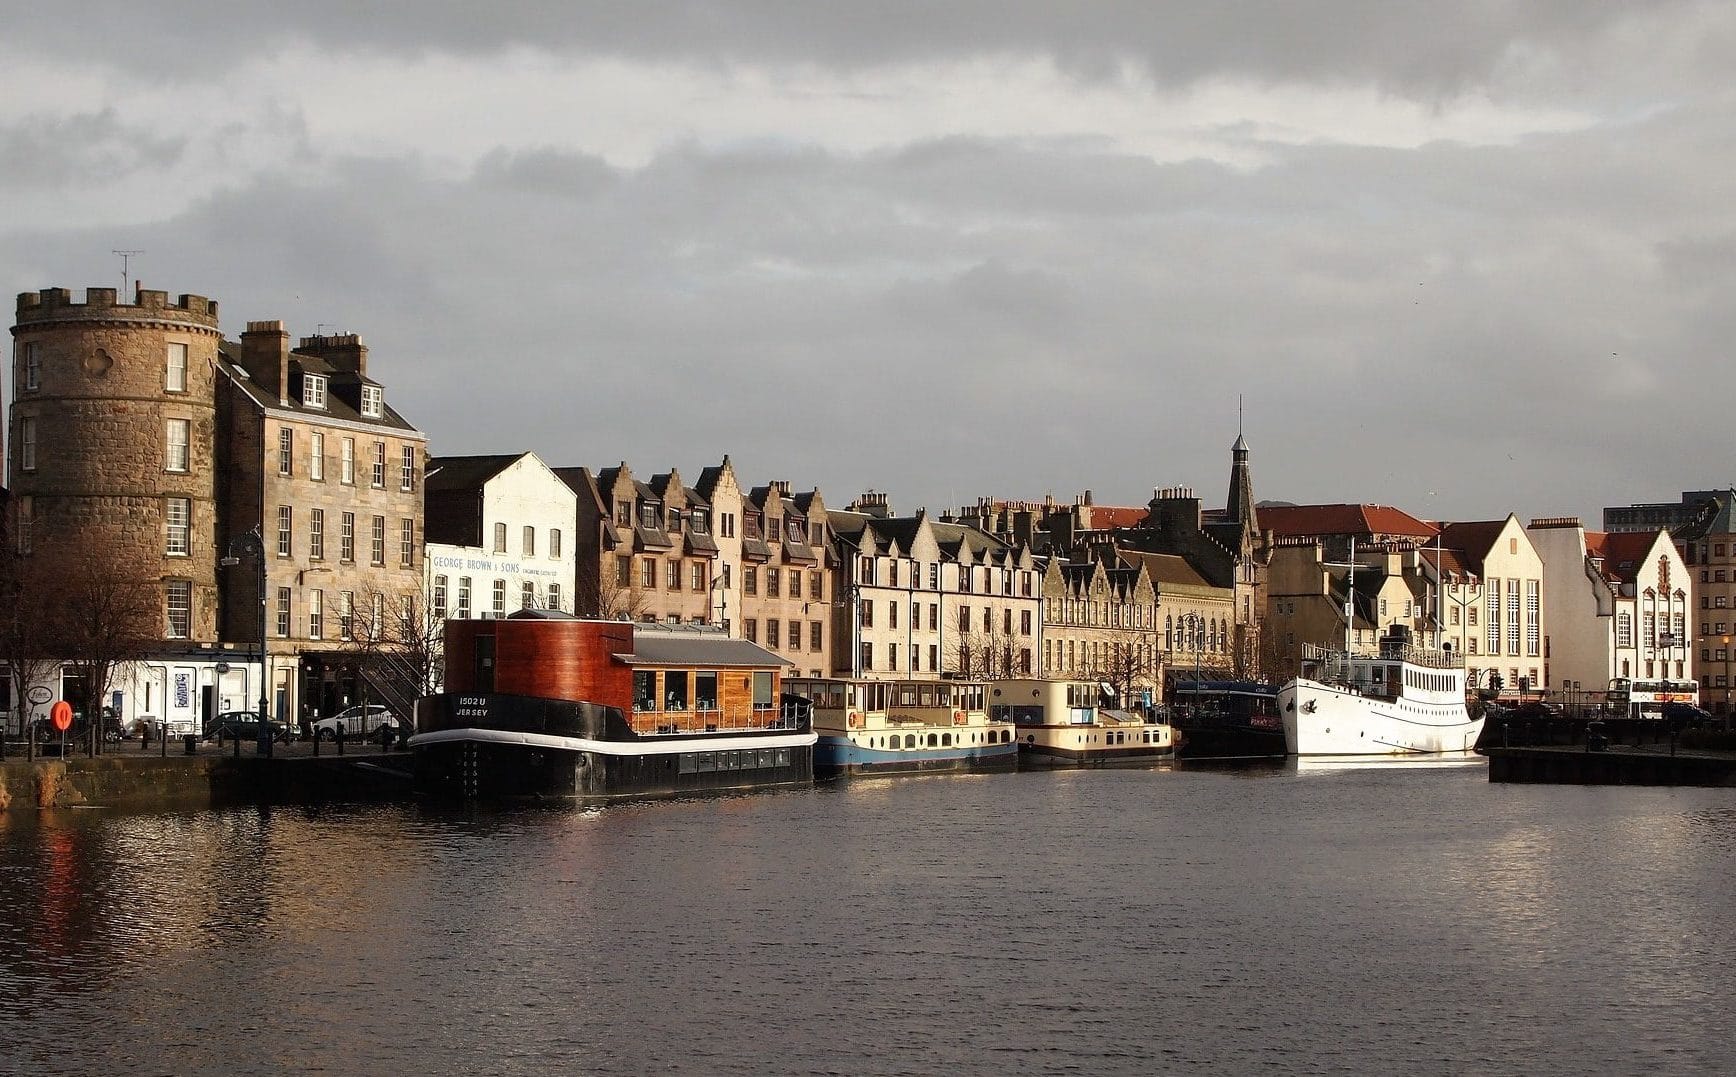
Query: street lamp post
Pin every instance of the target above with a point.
(257, 542)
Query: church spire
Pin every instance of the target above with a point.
(1239, 507)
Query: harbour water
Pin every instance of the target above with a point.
(1362, 919)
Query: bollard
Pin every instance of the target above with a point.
(236, 741)
(339, 734)
(316, 744)
(190, 738)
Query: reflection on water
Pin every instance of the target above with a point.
(1290, 919)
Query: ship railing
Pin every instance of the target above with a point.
(788, 715)
(1329, 658)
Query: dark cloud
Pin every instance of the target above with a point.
(1401, 45)
(1460, 328)
(81, 150)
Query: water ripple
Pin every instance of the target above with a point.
(1359, 921)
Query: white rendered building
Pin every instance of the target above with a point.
(499, 536)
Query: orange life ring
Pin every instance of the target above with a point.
(958, 717)
(855, 720)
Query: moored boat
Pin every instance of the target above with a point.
(1402, 701)
(900, 727)
(1059, 724)
(1227, 720)
(544, 705)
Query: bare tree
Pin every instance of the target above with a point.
(1129, 662)
(106, 619)
(415, 635)
(375, 638)
(601, 593)
(990, 655)
(27, 623)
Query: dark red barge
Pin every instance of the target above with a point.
(547, 706)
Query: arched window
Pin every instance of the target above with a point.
(946, 740)
(910, 740)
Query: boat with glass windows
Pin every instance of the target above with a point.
(1067, 724)
(546, 705)
(901, 727)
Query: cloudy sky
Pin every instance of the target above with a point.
(1464, 258)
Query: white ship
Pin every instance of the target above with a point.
(1404, 700)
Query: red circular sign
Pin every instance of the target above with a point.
(61, 715)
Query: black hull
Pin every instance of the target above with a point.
(479, 770)
(1230, 742)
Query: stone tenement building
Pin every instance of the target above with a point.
(331, 476)
(144, 441)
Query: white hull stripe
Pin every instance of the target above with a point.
(611, 747)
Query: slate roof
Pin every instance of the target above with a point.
(1166, 569)
(452, 496)
(466, 472)
(336, 410)
(1718, 517)
(696, 648)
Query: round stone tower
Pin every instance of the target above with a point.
(111, 437)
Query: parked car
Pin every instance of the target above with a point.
(358, 723)
(243, 725)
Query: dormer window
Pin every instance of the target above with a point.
(313, 391)
(373, 401)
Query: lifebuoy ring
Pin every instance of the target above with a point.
(855, 720)
(958, 717)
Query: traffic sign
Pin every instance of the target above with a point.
(61, 715)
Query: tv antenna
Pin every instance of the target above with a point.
(126, 271)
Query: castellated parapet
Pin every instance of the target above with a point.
(112, 435)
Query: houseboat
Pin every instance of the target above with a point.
(1227, 720)
(900, 727)
(545, 705)
(1059, 724)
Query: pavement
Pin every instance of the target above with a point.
(176, 748)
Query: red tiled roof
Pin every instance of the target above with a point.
(1622, 551)
(1313, 520)
(1450, 561)
(1099, 517)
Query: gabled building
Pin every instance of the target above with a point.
(1491, 603)
(1617, 605)
(786, 593)
(1707, 544)
(1224, 549)
(926, 598)
(1100, 622)
(644, 549)
(499, 536)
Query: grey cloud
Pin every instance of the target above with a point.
(1401, 45)
(83, 149)
(968, 316)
